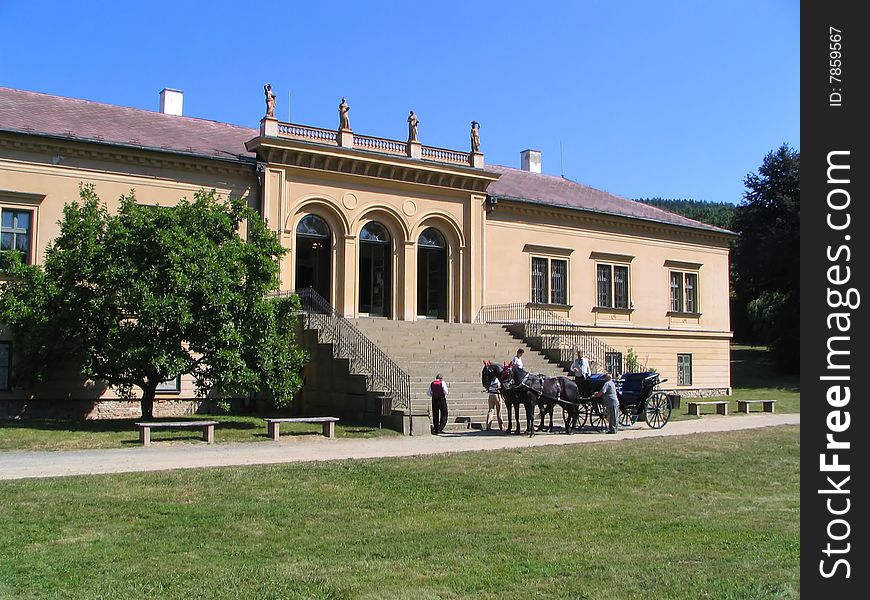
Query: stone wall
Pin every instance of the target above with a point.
(100, 409)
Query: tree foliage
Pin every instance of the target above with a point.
(718, 214)
(152, 293)
(766, 256)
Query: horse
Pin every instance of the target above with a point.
(513, 395)
(560, 391)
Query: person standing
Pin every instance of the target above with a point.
(611, 402)
(580, 367)
(517, 360)
(494, 404)
(438, 392)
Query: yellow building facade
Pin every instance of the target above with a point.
(388, 228)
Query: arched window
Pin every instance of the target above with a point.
(431, 275)
(375, 267)
(374, 232)
(314, 255)
(431, 238)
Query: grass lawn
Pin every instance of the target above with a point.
(63, 434)
(712, 516)
(754, 377)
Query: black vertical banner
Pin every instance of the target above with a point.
(835, 374)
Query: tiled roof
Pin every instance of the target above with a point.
(31, 112)
(43, 114)
(516, 184)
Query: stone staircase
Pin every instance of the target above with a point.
(457, 351)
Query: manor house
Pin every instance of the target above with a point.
(388, 229)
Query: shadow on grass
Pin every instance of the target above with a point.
(751, 367)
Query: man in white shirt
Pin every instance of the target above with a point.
(580, 367)
(611, 402)
(438, 392)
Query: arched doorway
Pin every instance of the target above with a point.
(313, 250)
(431, 275)
(374, 270)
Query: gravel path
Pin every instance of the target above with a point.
(161, 457)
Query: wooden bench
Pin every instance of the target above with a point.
(767, 405)
(328, 425)
(695, 407)
(206, 426)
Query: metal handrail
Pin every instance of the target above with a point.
(560, 339)
(364, 357)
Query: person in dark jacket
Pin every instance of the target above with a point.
(438, 392)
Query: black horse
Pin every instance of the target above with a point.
(519, 387)
(513, 395)
(560, 391)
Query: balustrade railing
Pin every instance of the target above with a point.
(306, 133)
(444, 155)
(372, 144)
(365, 358)
(366, 142)
(558, 338)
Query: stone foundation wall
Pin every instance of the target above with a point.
(100, 409)
(700, 393)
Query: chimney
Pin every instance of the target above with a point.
(530, 160)
(171, 101)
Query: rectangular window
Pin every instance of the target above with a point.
(691, 292)
(684, 369)
(170, 385)
(559, 281)
(16, 232)
(684, 292)
(613, 362)
(5, 364)
(612, 285)
(549, 280)
(539, 280)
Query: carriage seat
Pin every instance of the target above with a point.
(635, 386)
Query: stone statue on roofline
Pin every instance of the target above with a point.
(475, 137)
(343, 120)
(412, 127)
(270, 101)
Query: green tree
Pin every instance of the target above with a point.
(766, 256)
(718, 214)
(151, 293)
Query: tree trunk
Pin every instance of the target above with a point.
(148, 401)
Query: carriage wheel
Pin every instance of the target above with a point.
(598, 415)
(627, 417)
(582, 416)
(658, 410)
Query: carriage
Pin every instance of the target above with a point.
(638, 400)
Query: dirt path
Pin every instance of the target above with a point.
(158, 457)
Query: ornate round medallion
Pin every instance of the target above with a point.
(350, 201)
(409, 208)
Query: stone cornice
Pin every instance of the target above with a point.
(119, 153)
(597, 218)
(359, 163)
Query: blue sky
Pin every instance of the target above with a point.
(677, 99)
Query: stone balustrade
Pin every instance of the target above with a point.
(369, 143)
(365, 142)
(306, 133)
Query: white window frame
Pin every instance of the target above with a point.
(29, 257)
(612, 296)
(548, 279)
(684, 367)
(170, 386)
(681, 302)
